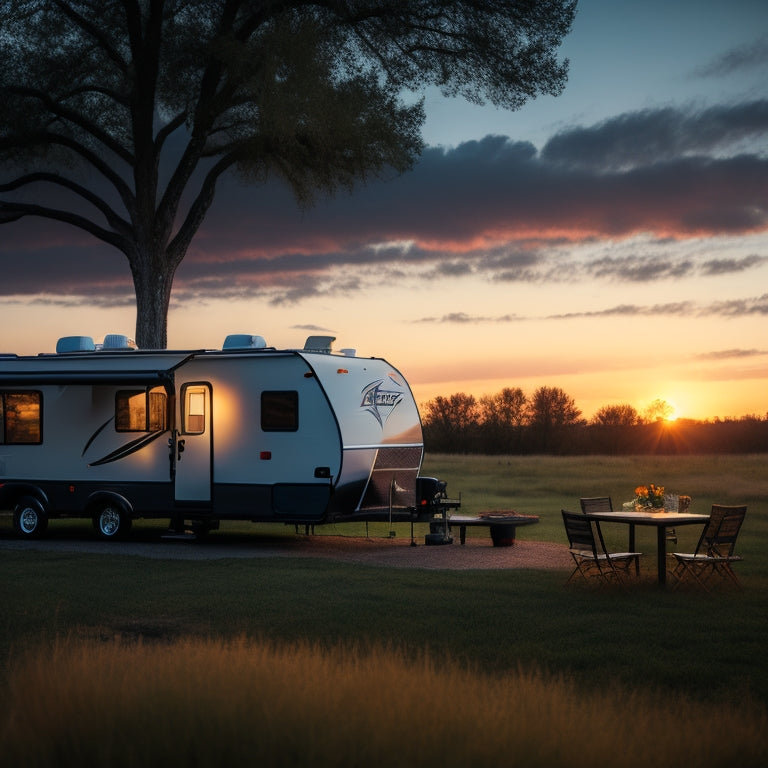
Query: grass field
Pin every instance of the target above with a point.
(112, 660)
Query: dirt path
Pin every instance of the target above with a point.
(395, 552)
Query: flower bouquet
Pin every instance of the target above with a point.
(649, 496)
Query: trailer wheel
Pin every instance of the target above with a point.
(111, 521)
(29, 518)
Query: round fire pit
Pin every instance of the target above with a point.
(503, 534)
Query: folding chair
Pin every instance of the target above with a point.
(596, 504)
(711, 561)
(601, 505)
(592, 562)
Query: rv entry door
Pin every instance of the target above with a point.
(193, 444)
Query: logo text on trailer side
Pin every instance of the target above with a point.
(380, 401)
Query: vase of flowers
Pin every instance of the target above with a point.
(649, 496)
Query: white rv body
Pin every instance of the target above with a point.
(242, 433)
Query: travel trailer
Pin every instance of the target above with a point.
(246, 432)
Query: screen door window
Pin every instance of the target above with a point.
(195, 406)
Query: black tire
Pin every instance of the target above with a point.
(111, 521)
(29, 518)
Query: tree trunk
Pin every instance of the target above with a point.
(153, 297)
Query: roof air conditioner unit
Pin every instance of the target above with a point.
(318, 343)
(75, 344)
(244, 341)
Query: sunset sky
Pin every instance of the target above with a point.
(612, 241)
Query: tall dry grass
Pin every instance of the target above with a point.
(216, 703)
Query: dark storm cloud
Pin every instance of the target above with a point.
(494, 207)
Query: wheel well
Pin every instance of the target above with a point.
(10, 493)
(102, 498)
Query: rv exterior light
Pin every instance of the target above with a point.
(342, 370)
(265, 455)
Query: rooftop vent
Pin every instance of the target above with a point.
(75, 344)
(244, 341)
(319, 343)
(348, 352)
(118, 341)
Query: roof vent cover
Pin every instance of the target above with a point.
(118, 341)
(244, 341)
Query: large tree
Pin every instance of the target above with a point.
(503, 416)
(552, 415)
(119, 116)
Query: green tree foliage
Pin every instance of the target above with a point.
(120, 116)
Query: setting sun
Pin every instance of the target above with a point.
(661, 410)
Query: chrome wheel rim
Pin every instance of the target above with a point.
(28, 520)
(109, 521)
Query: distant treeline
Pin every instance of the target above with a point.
(549, 422)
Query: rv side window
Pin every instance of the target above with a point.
(280, 411)
(194, 401)
(21, 417)
(141, 410)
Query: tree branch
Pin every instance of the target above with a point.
(15, 211)
(200, 205)
(118, 98)
(47, 138)
(94, 33)
(117, 223)
(72, 116)
(168, 129)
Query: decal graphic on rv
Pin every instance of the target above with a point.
(127, 449)
(375, 399)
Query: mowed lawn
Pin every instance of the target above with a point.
(395, 666)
